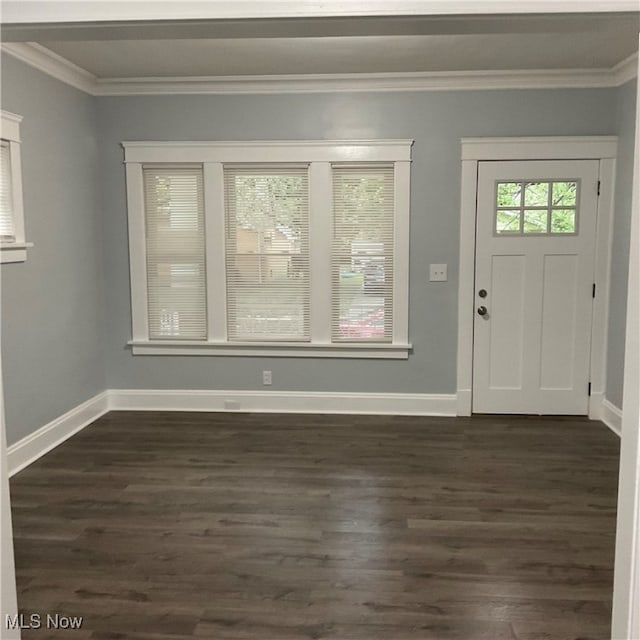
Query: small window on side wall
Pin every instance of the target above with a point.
(13, 247)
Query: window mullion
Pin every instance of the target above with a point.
(320, 230)
(215, 251)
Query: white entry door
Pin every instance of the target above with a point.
(535, 244)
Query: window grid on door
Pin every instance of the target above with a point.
(542, 207)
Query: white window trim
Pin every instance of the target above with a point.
(10, 131)
(319, 155)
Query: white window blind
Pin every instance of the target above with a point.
(175, 251)
(267, 253)
(362, 253)
(7, 223)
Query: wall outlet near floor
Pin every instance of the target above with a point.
(437, 272)
(231, 405)
(266, 377)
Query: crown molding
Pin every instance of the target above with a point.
(356, 82)
(54, 65)
(626, 70)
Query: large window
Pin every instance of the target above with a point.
(269, 248)
(13, 247)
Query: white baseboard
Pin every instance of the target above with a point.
(595, 405)
(284, 402)
(29, 449)
(612, 417)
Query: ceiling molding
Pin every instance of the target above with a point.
(58, 11)
(356, 82)
(51, 63)
(626, 70)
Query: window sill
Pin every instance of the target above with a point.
(14, 252)
(283, 350)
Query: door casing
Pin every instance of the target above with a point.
(475, 150)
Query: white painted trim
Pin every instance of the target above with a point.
(284, 402)
(18, 11)
(259, 151)
(10, 131)
(10, 126)
(318, 156)
(602, 280)
(15, 252)
(540, 148)
(625, 622)
(612, 417)
(35, 445)
(466, 284)
(54, 65)
(8, 599)
(474, 150)
(277, 350)
(215, 237)
(320, 234)
(401, 237)
(360, 82)
(58, 67)
(626, 69)
(137, 252)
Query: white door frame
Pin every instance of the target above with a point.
(625, 622)
(475, 150)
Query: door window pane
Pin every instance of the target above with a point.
(563, 221)
(508, 221)
(564, 194)
(536, 194)
(535, 220)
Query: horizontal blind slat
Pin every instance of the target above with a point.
(267, 252)
(362, 253)
(176, 280)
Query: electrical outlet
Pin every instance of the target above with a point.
(266, 377)
(437, 272)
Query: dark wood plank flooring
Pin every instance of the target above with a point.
(285, 527)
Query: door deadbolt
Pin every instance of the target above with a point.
(482, 293)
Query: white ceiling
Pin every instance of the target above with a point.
(334, 45)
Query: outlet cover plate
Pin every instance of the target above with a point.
(438, 272)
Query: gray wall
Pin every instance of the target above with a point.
(66, 314)
(626, 122)
(52, 304)
(435, 120)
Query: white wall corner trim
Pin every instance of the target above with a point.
(29, 449)
(55, 65)
(421, 404)
(612, 417)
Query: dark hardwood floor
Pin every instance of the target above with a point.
(283, 527)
